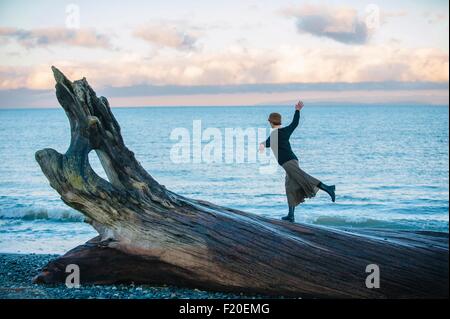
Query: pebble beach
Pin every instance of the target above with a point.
(18, 270)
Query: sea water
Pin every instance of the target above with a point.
(389, 164)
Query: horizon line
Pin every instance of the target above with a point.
(314, 104)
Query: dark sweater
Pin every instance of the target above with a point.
(284, 147)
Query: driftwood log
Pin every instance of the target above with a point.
(148, 234)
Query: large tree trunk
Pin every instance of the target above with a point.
(148, 234)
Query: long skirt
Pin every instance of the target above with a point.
(299, 184)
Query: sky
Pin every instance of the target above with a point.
(171, 53)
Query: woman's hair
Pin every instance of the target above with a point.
(275, 118)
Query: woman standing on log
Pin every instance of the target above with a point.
(299, 185)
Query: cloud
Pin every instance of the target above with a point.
(341, 24)
(23, 98)
(337, 94)
(44, 37)
(37, 77)
(435, 17)
(165, 35)
(243, 77)
(234, 66)
(387, 15)
(172, 90)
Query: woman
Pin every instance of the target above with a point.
(299, 184)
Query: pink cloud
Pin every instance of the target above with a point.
(167, 36)
(43, 37)
(341, 24)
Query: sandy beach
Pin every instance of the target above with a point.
(17, 271)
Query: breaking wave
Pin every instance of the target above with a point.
(62, 215)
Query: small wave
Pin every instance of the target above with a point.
(62, 215)
(386, 187)
(349, 222)
(362, 222)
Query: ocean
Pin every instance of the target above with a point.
(389, 164)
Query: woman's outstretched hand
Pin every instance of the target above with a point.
(262, 147)
(299, 105)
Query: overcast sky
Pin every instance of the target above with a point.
(226, 53)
